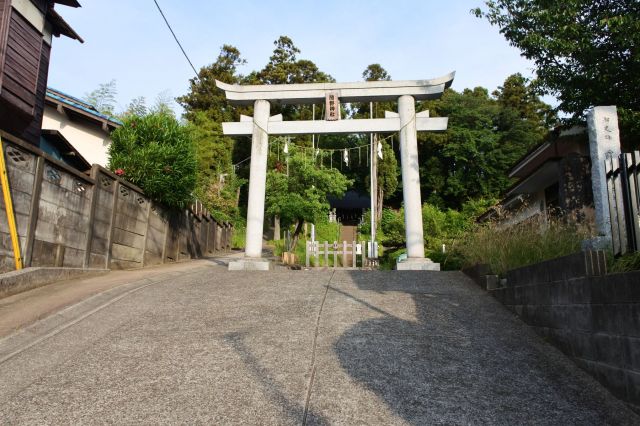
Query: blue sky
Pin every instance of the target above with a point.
(127, 40)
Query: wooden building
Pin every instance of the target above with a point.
(554, 178)
(26, 31)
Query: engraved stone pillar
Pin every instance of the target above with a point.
(604, 140)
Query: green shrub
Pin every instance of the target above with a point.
(239, 235)
(523, 244)
(625, 263)
(156, 153)
(392, 226)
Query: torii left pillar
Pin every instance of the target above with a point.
(257, 184)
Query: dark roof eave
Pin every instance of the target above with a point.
(56, 134)
(70, 3)
(60, 26)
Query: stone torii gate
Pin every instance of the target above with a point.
(405, 121)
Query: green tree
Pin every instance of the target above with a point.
(205, 96)
(284, 67)
(375, 72)
(302, 195)
(216, 182)
(486, 135)
(103, 98)
(206, 108)
(156, 153)
(466, 161)
(586, 52)
(137, 106)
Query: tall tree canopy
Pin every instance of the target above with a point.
(205, 96)
(485, 137)
(206, 107)
(103, 98)
(284, 67)
(586, 52)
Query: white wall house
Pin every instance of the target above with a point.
(75, 132)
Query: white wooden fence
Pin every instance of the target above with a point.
(343, 254)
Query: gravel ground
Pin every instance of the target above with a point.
(207, 346)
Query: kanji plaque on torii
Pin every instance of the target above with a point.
(332, 107)
(405, 121)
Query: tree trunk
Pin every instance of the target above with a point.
(296, 235)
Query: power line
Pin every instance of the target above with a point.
(176, 38)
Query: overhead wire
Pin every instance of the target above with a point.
(166, 21)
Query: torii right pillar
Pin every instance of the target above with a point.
(411, 189)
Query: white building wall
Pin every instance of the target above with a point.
(89, 139)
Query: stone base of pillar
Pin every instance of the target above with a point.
(417, 264)
(250, 264)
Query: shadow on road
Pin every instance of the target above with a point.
(271, 388)
(463, 359)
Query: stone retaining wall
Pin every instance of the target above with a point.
(68, 219)
(592, 317)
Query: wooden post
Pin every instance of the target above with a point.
(353, 253)
(345, 264)
(317, 248)
(326, 254)
(335, 254)
(33, 211)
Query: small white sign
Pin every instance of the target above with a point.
(358, 248)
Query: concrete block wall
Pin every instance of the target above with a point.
(21, 170)
(66, 218)
(592, 317)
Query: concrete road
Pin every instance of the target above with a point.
(202, 345)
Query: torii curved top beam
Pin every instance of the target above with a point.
(309, 93)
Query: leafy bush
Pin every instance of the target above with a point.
(441, 227)
(392, 226)
(156, 153)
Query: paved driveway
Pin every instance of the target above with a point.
(206, 346)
